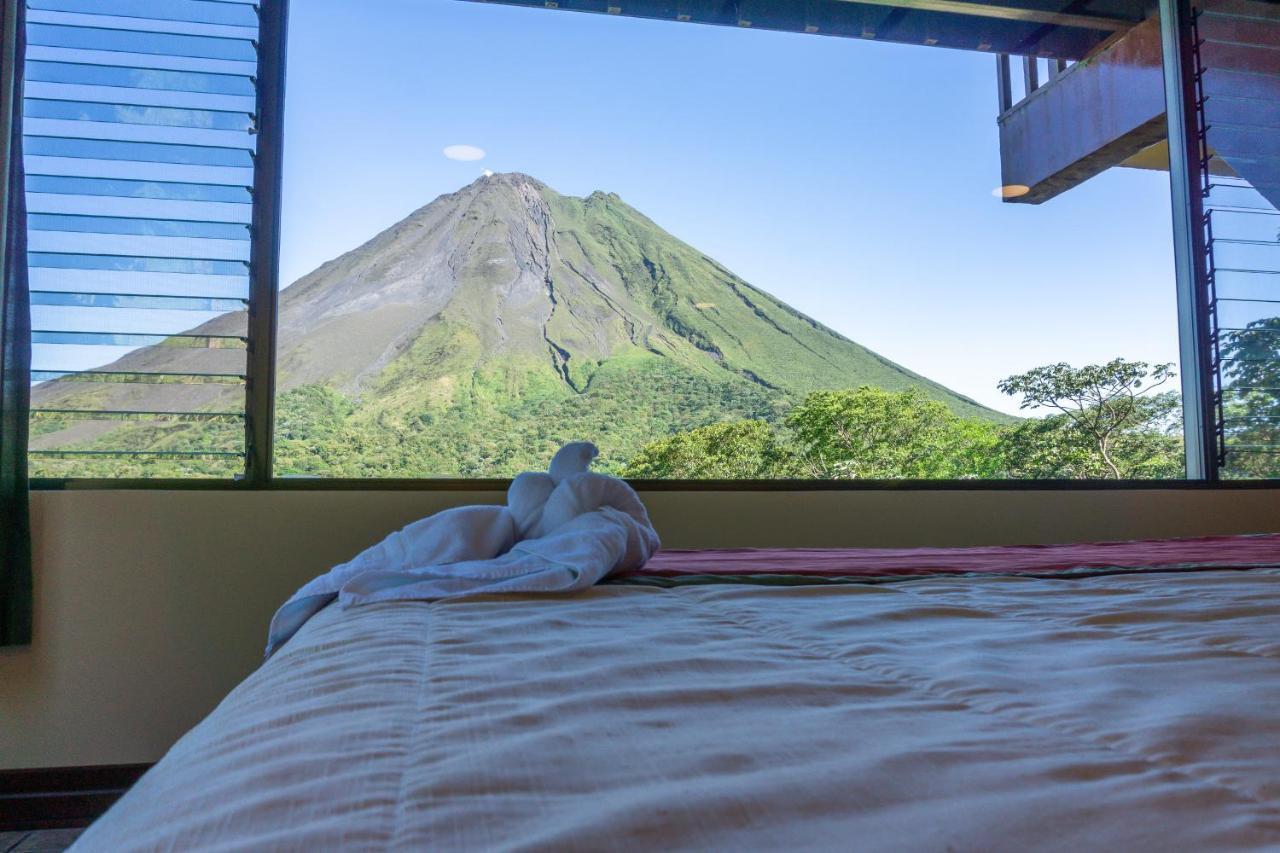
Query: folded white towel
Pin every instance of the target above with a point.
(560, 531)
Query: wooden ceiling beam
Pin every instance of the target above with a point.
(1007, 12)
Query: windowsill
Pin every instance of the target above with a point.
(494, 485)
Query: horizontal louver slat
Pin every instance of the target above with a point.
(86, 223)
(139, 320)
(144, 152)
(74, 110)
(126, 77)
(141, 42)
(131, 300)
(125, 188)
(194, 11)
(177, 248)
(138, 377)
(133, 263)
(122, 452)
(116, 400)
(142, 284)
(126, 361)
(126, 339)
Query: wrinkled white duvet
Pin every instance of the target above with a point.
(1131, 713)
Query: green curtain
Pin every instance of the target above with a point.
(15, 346)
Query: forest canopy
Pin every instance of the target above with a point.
(1104, 422)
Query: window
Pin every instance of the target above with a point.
(140, 122)
(714, 251)
(762, 250)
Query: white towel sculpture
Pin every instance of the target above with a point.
(560, 531)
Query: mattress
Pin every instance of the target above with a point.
(1123, 712)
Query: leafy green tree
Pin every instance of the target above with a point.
(1049, 448)
(870, 433)
(1108, 406)
(737, 450)
(1251, 370)
(1054, 448)
(977, 450)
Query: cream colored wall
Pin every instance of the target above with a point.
(152, 605)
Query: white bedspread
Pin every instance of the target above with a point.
(1125, 713)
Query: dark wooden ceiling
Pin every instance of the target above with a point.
(1063, 29)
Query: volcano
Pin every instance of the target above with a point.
(485, 328)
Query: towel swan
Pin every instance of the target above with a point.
(561, 530)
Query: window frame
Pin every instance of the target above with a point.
(264, 243)
(455, 484)
(1201, 454)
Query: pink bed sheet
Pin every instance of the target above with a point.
(1222, 552)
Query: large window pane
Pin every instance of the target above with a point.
(715, 251)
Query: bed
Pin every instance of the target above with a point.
(949, 701)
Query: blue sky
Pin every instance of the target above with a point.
(851, 179)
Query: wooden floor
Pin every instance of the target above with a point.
(38, 841)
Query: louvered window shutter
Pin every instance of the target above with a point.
(152, 132)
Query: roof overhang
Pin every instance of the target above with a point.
(1062, 29)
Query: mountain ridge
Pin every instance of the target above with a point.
(504, 301)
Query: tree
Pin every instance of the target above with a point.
(1053, 448)
(871, 433)
(737, 450)
(1106, 404)
(1251, 405)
